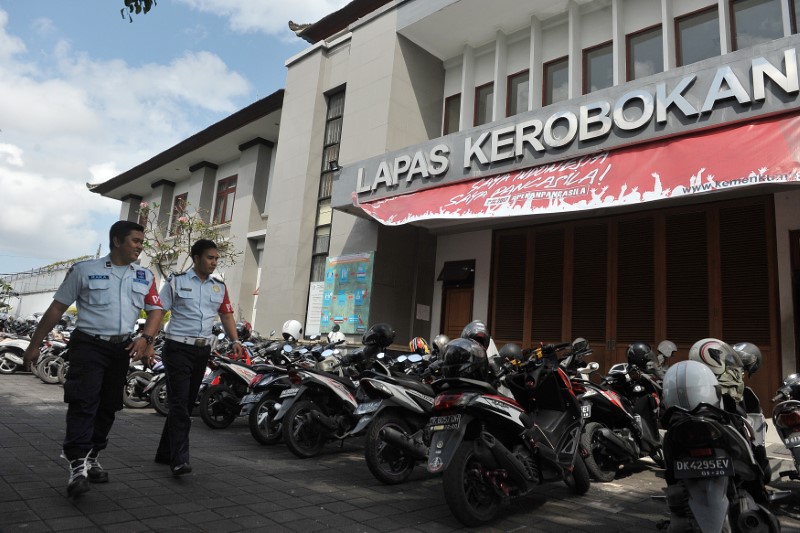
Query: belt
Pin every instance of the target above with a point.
(111, 339)
(192, 341)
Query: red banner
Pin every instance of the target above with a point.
(757, 153)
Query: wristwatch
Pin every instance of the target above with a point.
(147, 338)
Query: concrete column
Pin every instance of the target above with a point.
(500, 76)
(668, 34)
(575, 52)
(204, 187)
(467, 115)
(164, 193)
(725, 41)
(130, 207)
(618, 46)
(535, 66)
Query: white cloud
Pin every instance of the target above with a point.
(268, 17)
(86, 120)
(44, 26)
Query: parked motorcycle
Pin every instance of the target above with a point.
(394, 413)
(492, 448)
(12, 350)
(786, 417)
(621, 420)
(714, 481)
(223, 390)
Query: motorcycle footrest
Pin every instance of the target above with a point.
(791, 474)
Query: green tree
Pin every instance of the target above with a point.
(168, 247)
(6, 291)
(136, 7)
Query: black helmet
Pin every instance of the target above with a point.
(243, 329)
(381, 335)
(465, 358)
(216, 328)
(511, 352)
(477, 331)
(750, 356)
(640, 354)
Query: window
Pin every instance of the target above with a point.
(556, 81)
(598, 68)
(645, 53)
(226, 192)
(517, 98)
(755, 21)
(452, 114)
(330, 154)
(484, 104)
(697, 36)
(178, 209)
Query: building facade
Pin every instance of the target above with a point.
(618, 170)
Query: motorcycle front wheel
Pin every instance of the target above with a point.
(215, 407)
(7, 366)
(302, 436)
(388, 464)
(601, 467)
(578, 480)
(262, 421)
(132, 393)
(469, 495)
(158, 398)
(48, 369)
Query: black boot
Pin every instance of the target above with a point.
(77, 484)
(94, 471)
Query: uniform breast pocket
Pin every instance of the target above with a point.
(139, 291)
(99, 292)
(216, 298)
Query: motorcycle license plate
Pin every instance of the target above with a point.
(443, 423)
(288, 393)
(699, 468)
(252, 398)
(792, 441)
(366, 407)
(586, 411)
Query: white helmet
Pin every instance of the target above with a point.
(688, 384)
(713, 353)
(666, 349)
(292, 330)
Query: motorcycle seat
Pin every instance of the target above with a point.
(409, 382)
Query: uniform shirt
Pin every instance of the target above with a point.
(194, 303)
(109, 300)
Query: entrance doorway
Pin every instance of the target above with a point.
(458, 279)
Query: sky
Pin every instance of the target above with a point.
(86, 95)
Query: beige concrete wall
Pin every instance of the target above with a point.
(787, 218)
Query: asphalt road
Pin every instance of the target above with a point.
(240, 485)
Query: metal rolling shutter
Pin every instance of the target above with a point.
(687, 304)
(636, 289)
(548, 286)
(589, 282)
(509, 286)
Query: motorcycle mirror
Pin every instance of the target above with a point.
(327, 353)
(221, 336)
(380, 355)
(287, 348)
(314, 337)
(402, 359)
(415, 358)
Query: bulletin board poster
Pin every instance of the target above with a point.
(347, 293)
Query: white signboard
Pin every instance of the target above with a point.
(314, 307)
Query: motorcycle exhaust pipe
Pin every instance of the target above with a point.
(616, 446)
(404, 443)
(323, 420)
(516, 470)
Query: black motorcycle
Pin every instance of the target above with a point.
(492, 448)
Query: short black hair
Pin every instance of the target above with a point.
(201, 246)
(121, 229)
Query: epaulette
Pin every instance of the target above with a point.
(173, 276)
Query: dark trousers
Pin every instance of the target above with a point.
(185, 366)
(93, 390)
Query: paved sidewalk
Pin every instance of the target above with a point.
(239, 485)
